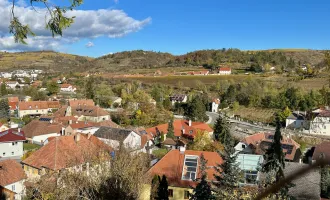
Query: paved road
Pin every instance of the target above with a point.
(239, 128)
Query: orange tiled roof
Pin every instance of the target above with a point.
(34, 105)
(11, 172)
(36, 128)
(81, 102)
(224, 69)
(171, 166)
(190, 131)
(81, 124)
(13, 99)
(65, 151)
(13, 105)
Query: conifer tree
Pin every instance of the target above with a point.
(274, 156)
(274, 161)
(222, 131)
(228, 174)
(203, 189)
(170, 130)
(3, 89)
(154, 188)
(163, 189)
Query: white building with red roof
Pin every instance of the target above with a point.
(67, 88)
(11, 144)
(215, 105)
(12, 179)
(224, 70)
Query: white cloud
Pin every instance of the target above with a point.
(88, 24)
(89, 44)
(116, 1)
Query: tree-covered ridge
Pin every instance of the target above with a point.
(235, 58)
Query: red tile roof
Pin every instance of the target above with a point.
(190, 131)
(81, 102)
(36, 128)
(261, 141)
(224, 69)
(13, 105)
(81, 125)
(13, 99)
(171, 165)
(10, 172)
(66, 85)
(34, 105)
(11, 135)
(66, 151)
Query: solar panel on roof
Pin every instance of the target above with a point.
(44, 119)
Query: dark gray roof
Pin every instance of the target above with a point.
(112, 133)
(297, 115)
(307, 187)
(177, 97)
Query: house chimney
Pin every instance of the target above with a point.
(182, 150)
(70, 121)
(89, 135)
(77, 137)
(189, 122)
(63, 131)
(183, 131)
(19, 130)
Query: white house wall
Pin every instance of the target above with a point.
(22, 113)
(40, 139)
(8, 150)
(133, 141)
(18, 188)
(320, 125)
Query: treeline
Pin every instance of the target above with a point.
(257, 93)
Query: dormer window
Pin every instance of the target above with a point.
(30, 107)
(189, 171)
(191, 132)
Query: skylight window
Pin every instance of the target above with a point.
(189, 171)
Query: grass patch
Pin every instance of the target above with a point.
(30, 147)
(159, 153)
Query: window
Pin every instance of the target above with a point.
(13, 188)
(170, 193)
(186, 194)
(190, 168)
(12, 153)
(243, 146)
(13, 143)
(191, 132)
(3, 153)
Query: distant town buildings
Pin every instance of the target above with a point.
(178, 98)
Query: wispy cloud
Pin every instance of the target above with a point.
(88, 24)
(89, 44)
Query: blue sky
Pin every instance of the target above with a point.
(180, 26)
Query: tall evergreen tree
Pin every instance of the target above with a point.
(154, 188)
(170, 129)
(3, 89)
(203, 189)
(227, 175)
(222, 131)
(4, 109)
(274, 156)
(90, 88)
(274, 161)
(163, 189)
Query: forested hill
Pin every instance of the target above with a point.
(208, 58)
(138, 59)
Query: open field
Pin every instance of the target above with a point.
(190, 81)
(255, 114)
